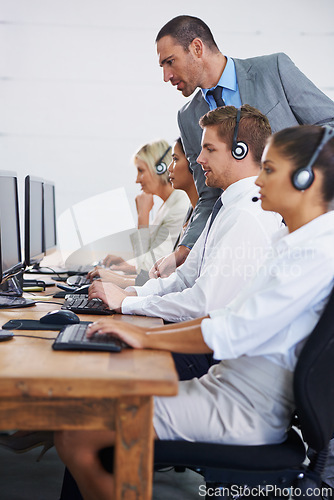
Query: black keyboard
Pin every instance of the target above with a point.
(78, 280)
(73, 337)
(9, 302)
(83, 305)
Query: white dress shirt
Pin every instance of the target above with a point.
(235, 247)
(273, 315)
(153, 242)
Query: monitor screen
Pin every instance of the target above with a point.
(33, 221)
(0, 258)
(50, 232)
(11, 260)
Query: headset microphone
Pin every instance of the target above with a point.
(255, 198)
(161, 166)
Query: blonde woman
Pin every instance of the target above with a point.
(156, 239)
(181, 178)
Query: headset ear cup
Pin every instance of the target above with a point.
(240, 150)
(161, 168)
(302, 178)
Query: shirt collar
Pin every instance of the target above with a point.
(239, 189)
(318, 226)
(228, 78)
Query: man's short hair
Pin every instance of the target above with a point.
(254, 128)
(184, 29)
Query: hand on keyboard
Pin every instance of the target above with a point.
(121, 280)
(133, 335)
(83, 305)
(73, 337)
(109, 293)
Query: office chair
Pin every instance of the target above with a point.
(275, 467)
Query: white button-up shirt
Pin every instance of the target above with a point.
(158, 239)
(234, 248)
(273, 315)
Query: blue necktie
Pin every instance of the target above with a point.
(217, 95)
(216, 207)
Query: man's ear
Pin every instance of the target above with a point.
(197, 47)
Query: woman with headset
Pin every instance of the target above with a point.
(153, 240)
(247, 398)
(181, 179)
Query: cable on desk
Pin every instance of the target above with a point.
(34, 295)
(47, 302)
(34, 337)
(57, 274)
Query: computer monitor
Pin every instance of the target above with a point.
(12, 266)
(0, 258)
(33, 221)
(49, 209)
(11, 257)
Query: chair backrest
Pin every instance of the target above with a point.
(314, 381)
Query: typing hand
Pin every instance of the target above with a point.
(109, 293)
(132, 335)
(95, 273)
(125, 267)
(121, 280)
(112, 259)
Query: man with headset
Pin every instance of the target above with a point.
(228, 252)
(190, 59)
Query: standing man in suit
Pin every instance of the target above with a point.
(190, 59)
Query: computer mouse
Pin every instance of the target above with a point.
(5, 335)
(60, 317)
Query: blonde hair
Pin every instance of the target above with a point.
(152, 154)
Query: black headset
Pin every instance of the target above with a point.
(303, 177)
(239, 148)
(161, 166)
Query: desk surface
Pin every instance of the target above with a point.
(45, 389)
(30, 366)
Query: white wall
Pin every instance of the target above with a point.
(81, 88)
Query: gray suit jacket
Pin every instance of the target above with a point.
(275, 86)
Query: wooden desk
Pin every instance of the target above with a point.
(42, 389)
